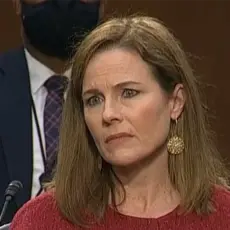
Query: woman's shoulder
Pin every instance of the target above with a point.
(39, 211)
(45, 201)
(221, 199)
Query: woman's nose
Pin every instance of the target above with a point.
(112, 112)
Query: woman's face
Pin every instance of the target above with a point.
(125, 109)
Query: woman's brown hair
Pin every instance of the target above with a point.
(80, 184)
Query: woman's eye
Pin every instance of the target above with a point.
(128, 93)
(93, 101)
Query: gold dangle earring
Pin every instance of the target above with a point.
(175, 143)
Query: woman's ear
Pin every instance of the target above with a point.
(177, 101)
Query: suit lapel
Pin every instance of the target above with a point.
(17, 122)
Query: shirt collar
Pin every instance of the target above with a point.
(39, 73)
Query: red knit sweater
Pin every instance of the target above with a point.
(42, 213)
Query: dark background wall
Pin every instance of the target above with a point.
(201, 25)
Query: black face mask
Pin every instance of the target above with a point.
(55, 26)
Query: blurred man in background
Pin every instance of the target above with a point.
(32, 84)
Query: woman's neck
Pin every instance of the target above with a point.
(148, 188)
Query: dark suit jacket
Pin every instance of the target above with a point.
(16, 158)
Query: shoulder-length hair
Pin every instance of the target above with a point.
(80, 184)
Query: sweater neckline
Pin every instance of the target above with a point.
(164, 217)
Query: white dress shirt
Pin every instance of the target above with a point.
(39, 73)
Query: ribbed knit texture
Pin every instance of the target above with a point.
(42, 213)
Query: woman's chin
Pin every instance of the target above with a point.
(122, 160)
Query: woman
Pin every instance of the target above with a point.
(135, 149)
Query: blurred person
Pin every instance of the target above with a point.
(136, 150)
(32, 83)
